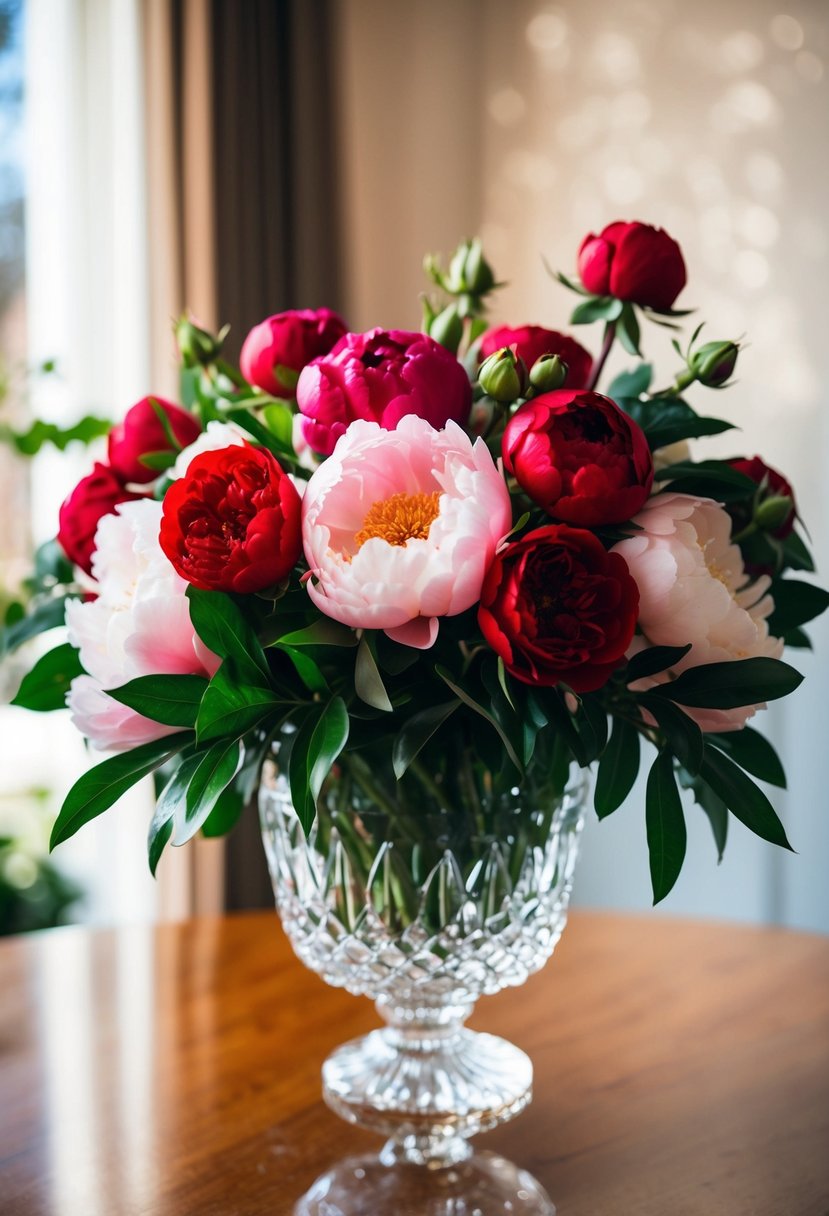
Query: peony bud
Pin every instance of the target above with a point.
(548, 373)
(714, 363)
(447, 328)
(197, 347)
(773, 513)
(504, 376)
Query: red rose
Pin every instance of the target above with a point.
(579, 457)
(142, 432)
(232, 522)
(633, 262)
(558, 608)
(773, 485)
(276, 350)
(381, 376)
(95, 495)
(533, 341)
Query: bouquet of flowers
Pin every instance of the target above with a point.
(420, 557)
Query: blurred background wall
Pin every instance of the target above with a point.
(243, 158)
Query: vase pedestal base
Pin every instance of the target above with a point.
(483, 1184)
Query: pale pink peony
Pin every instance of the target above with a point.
(693, 588)
(138, 625)
(400, 526)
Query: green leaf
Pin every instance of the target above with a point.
(368, 683)
(216, 770)
(742, 797)
(279, 420)
(225, 814)
(652, 660)
(731, 685)
(223, 628)
(713, 806)
(796, 555)
(48, 614)
(315, 748)
(166, 426)
(665, 821)
(156, 841)
(323, 632)
(44, 688)
(698, 428)
(753, 752)
(158, 461)
(709, 478)
(631, 383)
(590, 720)
(103, 785)
(262, 434)
(596, 308)
(172, 700)
(229, 708)
(682, 733)
(170, 807)
(30, 441)
(795, 603)
(305, 667)
(417, 732)
(484, 713)
(628, 330)
(617, 768)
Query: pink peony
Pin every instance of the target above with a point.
(693, 588)
(380, 376)
(138, 625)
(276, 350)
(400, 526)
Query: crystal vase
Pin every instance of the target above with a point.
(425, 894)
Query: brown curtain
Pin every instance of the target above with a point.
(244, 222)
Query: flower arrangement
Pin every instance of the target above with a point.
(430, 544)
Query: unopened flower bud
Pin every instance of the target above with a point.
(773, 512)
(196, 346)
(469, 272)
(447, 328)
(714, 363)
(503, 376)
(548, 373)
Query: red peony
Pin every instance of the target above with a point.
(558, 608)
(381, 376)
(633, 262)
(96, 495)
(774, 485)
(579, 457)
(533, 341)
(232, 522)
(142, 432)
(276, 350)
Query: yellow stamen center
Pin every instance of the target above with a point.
(400, 518)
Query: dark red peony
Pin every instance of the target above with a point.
(558, 608)
(276, 350)
(96, 495)
(579, 457)
(232, 523)
(381, 376)
(773, 485)
(142, 431)
(633, 262)
(533, 341)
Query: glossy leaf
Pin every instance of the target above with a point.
(48, 614)
(653, 659)
(223, 628)
(631, 383)
(44, 688)
(231, 709)
(483, 712)
(731, 685)
(316, 746)
(368, 683)
(682, 733)
(216, 770)
(742, 797)
(795, 603)
(753, 752)
(171, 700)
(323, 632)
(596, 308)
(417, 732)
(618, 768)
(665, 821)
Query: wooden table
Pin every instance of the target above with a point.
(680, 1069)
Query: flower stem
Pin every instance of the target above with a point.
(607, 345)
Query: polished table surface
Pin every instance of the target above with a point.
(680, 1068)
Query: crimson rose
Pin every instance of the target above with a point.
(95, 495)
(533, 341)
(633, 262)
(381, 376)
(276, 350)
(142, 432)
(579, 457)
(558, 608)
(232, 522)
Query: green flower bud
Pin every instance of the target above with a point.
(447, 328)
(772, 512)
(197, 347)
(503, 376)
(469, 273)
(714, 362)
(548, 373)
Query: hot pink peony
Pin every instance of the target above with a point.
(399, 527)
(138, 625)
(693, 588)
(381, 376)
(276, 350)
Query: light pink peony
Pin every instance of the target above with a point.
(693, 588)
(138, 625)
(400, 526)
